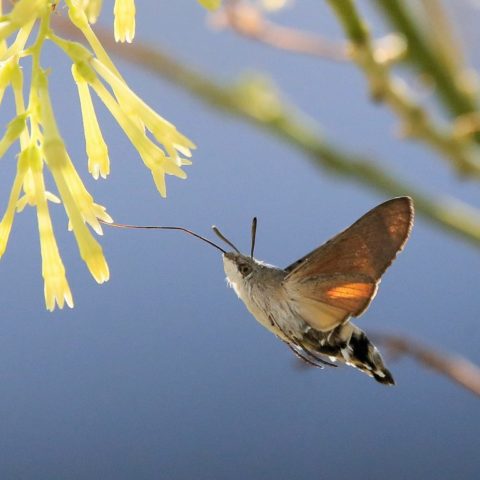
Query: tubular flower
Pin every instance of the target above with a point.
(78, 203)
(14, 129)
(92, 9)
(91, 252)
(35, 128)
(56, 288)
(7, 73)
(7, 220)
(97, 150)
(23, 12)
(164, 132)
(124, 23)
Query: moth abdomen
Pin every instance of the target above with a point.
(348, 344)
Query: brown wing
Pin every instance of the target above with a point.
(325, 301)
(344, 272)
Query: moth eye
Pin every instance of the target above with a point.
(244, 269)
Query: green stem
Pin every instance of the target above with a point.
(355, 28)
(35, 51)
(421, 53)
(418, 123)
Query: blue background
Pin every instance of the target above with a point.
(161, 372)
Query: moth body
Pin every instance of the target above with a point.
(259, 286)
(265, 293)
(310, 303)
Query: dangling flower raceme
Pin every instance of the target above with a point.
(165, 151)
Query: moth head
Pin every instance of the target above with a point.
(238, 267)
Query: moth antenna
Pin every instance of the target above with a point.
(254, 235)
(161, 227)
(224, 238)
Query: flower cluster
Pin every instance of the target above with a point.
(161, 147)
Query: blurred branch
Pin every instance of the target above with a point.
(248, 21)
(417, 122)
(259, 105)
(452, 89)
(441, 34)
(457, 369)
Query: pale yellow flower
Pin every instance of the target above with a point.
(29, 188)
(29, 199)
(164, 131)
(14, 129)
(124, 22)
(92, 9)
(7, 220)
(23, 12)
(77, 202)
(97, 150)
(56, 288)
(21, 39)
(152, 156)
(73, 200)
(7, 72)
(134, 116)
(89, 210)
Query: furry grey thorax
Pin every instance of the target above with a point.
(260, 286)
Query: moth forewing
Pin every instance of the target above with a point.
(367, 247)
